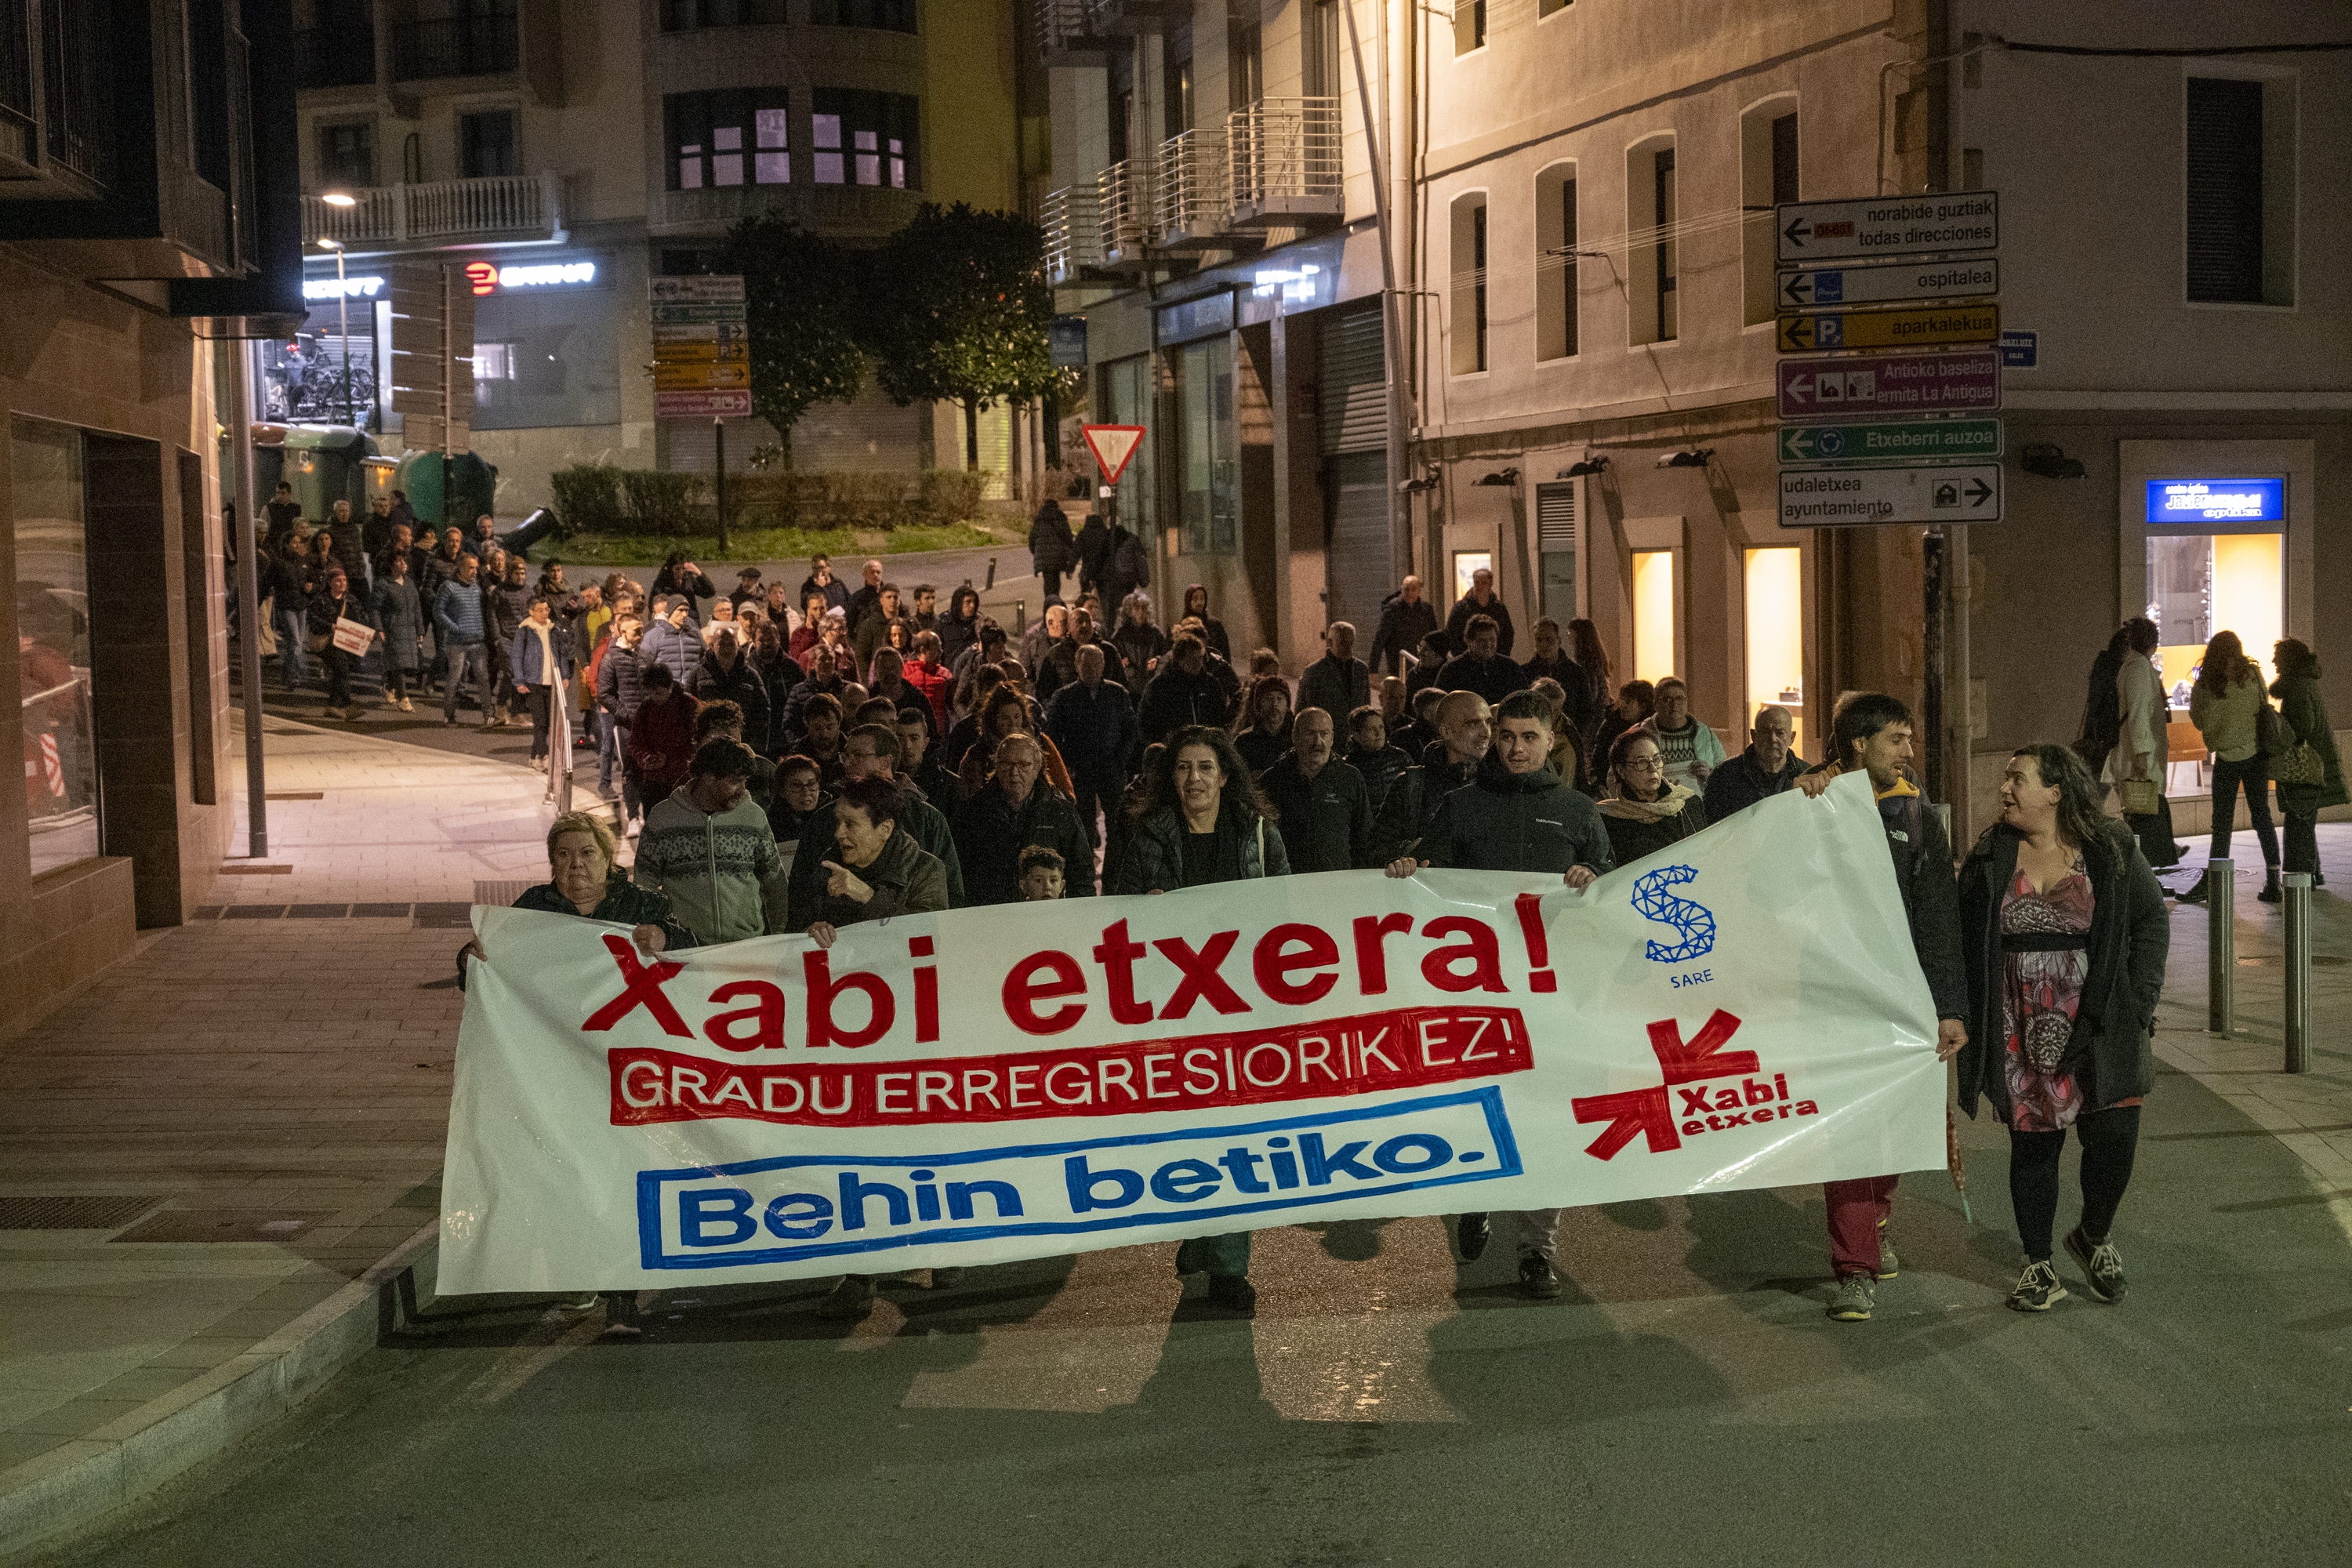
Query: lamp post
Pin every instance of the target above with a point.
(342, 299)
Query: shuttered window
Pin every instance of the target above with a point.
(1357, 554)
(2225, 191)
(1354, 405)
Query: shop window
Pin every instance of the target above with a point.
(2201, 584)
(547, 360)
(1768, 176)
(486, 145)
(2241, 190)
(347, 154)
(1205, 392)
(1653, 615)
(61, 797)
(1469, 258)
(1128, 394)
(731, 136)
(1774, 602)
(1652, 265)
(1556, 274)
(865, 138)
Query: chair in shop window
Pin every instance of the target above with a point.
(2185, 744)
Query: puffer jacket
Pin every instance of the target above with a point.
(1503, 821)
(741, 686)
(1152, 858)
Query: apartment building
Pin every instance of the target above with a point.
(1583, 260)
(565, 151)
(146, 222)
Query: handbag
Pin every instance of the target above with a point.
(2300, 763)
(2142, 797)
(2272, 737)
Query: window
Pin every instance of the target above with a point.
(865, 139)
(1176, 85)
(1469, 354)
(1204, 394)
(1650, 283)
(1122, 106)
(486, 145)
(1469, 25)
(684, 15)
(895, 15)
(1244, 65)
(347, 154)
(732, 136)
(61, 800)
(1775, 632)
(1551, 7)
(1556, 548)
(2241, 190)
(1653, 615)
(1556, 273)
(1319, 49)
(1768, 175)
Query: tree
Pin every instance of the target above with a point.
(800, 302)
(957, 310)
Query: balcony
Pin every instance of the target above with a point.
(1191, 207)
(1123, 204)
(1283, 163)
(455, 47)
(500, 206)
(337, 58)
(1073, 225)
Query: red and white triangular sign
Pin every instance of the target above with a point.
(1113, 446)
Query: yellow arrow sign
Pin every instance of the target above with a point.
(700, 377)
(1929, 327)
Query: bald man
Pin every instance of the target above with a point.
(1465, 730)
(1765, 768)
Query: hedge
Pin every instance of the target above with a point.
(601, 498)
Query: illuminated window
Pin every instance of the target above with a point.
(735, 136)
(1776, 634)
(865, 138)
(1653, 614)
(2201, 584)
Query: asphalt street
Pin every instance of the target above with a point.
(1686, 1401)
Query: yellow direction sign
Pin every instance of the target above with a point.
(699, 377)
(1928, 327)
(706, 351)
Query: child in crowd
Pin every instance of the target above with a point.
(1041, 873)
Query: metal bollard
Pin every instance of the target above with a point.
(992, 571)
(2297, 885)
(2220, 945)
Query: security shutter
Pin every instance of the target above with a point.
(2225, 190)
(1354, 381)
(1556, 548)
(691, 446)
(1356, 560)
(869, 435)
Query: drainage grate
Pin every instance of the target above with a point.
(379, 911)
(225, 1225)
(253, 911)
(444, 916)
(500, 893)
(72, 1214)
(318, 911)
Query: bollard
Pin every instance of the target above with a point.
(2297, 886)
(1020, 616)
(2220, 945)
(992, 571)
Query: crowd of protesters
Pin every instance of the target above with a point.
(805, 762)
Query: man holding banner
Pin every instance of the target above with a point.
(1872, 734)
(1517, 816)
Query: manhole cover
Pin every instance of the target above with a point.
(72, 1213)
(224, 1224)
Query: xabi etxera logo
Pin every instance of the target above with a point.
(1701, 1060)
(1693, 922)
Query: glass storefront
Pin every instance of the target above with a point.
(2201, 584)
(1774, 591)
(1127, 400)
(61, 797)
(1653, 615)
(1207, 468)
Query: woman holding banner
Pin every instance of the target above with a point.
(1203, 822)
(2064, 938)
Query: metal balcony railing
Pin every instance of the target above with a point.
(1123, 201)
(514, 205)
(1066, 27)
(1073, 226)
(1283, 161)
(16, 61)
(1189, 200)
(454, 46)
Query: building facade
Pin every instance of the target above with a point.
(566, 150)
(1581, 239)
(145, 224)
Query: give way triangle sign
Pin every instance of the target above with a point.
(1113, 446)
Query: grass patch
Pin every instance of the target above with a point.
(775, 543)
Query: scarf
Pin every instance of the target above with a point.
(1668, 805)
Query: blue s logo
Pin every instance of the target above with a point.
(1693, 922)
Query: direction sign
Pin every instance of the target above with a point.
(680, 315)
(1927, 440)
(698, 291)
(1847, 498)
(1887, 226)
(700, 375)
(701, 333)
(703, 404)
(1113, 446)
(1829, 286)
(1929, 326)
(1961, 381)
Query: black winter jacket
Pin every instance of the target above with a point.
(2130, 937)
(1176, 698)
(1413, 801)
(1152, 858)
(1504, 821)
(1329, 817)
(991, 834)
(741, 686)
(1742, 782)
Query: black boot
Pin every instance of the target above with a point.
(2196, 894)
(2270, 892)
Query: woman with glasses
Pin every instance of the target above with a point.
(1642, 812)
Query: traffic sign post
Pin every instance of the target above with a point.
(1934, 326)
(1113, 446)
(1961, 381)
(1848, 498)
(1924, 225)
(1888, 283)
(1938, 440)
(702, 361)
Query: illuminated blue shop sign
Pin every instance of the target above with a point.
(2217, 500)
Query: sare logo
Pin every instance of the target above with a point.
(1692, 923)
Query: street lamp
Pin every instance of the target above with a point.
(342, 313)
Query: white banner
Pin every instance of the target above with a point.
(1744, 1010)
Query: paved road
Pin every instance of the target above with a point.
(1685, 1402)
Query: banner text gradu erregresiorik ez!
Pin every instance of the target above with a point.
(989, 1084)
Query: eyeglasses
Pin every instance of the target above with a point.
(1653, 763)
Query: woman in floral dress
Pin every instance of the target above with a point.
(2065, 935)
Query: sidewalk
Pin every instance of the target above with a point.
(206, 1159)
